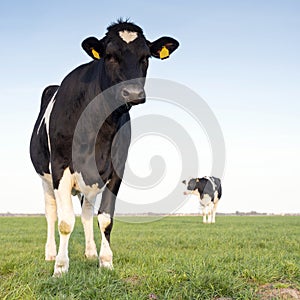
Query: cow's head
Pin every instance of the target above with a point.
(191, 185)
(124, 53)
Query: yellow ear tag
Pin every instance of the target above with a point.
(164, 53)
(95, 54)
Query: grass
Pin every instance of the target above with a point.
(173, 258)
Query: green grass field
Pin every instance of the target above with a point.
(173, 258)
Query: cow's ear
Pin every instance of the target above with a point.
(163, 47)
(93, 47)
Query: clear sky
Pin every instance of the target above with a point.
(242, 57)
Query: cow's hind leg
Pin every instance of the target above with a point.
(51, 216)
(66, 221)
(214, 211)
(87, 222)
(209, 212)
(204, 214)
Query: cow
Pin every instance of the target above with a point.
(86, 156)
(209, 191)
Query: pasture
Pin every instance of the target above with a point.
(173, 258)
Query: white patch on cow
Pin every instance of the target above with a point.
(47, 177)
(87, 222)
(205, 201)
(66, 221)
(90, 192)
(128, 36)
(214, 211)
(207, 206)
(46, 117)
(216, 199)
(51, 216)
(105, 255)
(47, 114)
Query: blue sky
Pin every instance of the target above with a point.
(242, 57)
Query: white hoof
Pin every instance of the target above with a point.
(106, 264)
(91, 252)
(61, 267)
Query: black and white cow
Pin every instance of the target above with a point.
(66, 161)
(209, 191)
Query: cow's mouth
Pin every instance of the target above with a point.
(133, 94)
(136, 102)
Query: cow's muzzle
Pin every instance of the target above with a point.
(133, 94)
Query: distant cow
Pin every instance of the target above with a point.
(209, 191)
(65, 159)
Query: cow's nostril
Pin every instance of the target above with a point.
(133, 94)
(125, 93)
(141, 95)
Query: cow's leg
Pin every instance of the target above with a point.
(204, 214)
(87, 222)
(105, 220)
(51, 216)
(209, 214)
(66, 221)
(214, 211)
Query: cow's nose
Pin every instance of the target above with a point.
(133, 94)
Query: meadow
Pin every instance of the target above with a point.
(172, 258)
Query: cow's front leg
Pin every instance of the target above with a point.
(105, 256)
(66, 221)
(87, 221)
(105, 221)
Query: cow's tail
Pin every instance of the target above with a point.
(47, 95)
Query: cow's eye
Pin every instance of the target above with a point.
(144, 60)
(112, 58)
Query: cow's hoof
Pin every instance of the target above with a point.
(60, 268)
(106, 265)
(50, 257)
(91, 252)
(91, 255)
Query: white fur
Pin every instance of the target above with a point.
(214, 211)
(128, 36)
(205, 201)
(46, 117)
(105, 255)
(51, 216)
(90, 192)
(58, 203)
(87, 221)
(66, 221)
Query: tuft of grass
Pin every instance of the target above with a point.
(172, 258)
